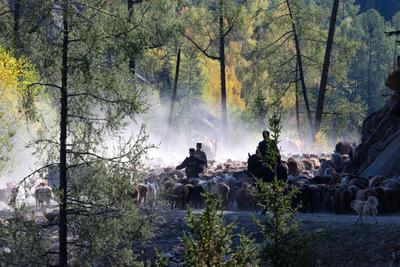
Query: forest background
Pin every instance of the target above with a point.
(261, 69)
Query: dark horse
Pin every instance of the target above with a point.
(257, 168)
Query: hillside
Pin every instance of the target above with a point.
(386, 7)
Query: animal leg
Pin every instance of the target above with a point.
(357, 219)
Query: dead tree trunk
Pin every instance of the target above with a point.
(325, 68)
(63, 249)
(132, 61)
(222, 64)
(369, 89)
(16, 28)
(177, 67)
(222, 33)
(395, 53)
(297, 101)
(300, 67)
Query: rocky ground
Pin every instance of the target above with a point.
(337, 240)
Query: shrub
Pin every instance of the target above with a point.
(209, 241)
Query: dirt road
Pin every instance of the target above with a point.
(338, 241)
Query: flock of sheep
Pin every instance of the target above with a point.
(323, 186)
(322, 183)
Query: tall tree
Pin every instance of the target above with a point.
(299, 68)
(63, 249)
(95, 96)
(325, 68)
(173, 100)
(372, 58)
(225, 18)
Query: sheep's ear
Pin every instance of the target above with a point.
(248, 154)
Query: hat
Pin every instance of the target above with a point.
(191, 150)
(199, 144)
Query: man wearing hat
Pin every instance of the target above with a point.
(262, 148)
(192, 165)
(201, 155)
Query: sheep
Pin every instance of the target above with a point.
(359, 182)
(133, 192)
(180, 194)
(143, 191)
(345, 148)
(376, 180)
(326, 169)
(245, 200)
(365, 208)
(294, 167)
(43, 193)
(308, 164)
(223, 192)
(217, 186)
(316, 162)
(195, 195)
(231, 182)
(338, 162)
(152, 191)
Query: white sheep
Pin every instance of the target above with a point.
(43, 193)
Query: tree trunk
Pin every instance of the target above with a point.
(356, 73)
(325, 68)
(63, 250)
(16, 28)
(177, 67)
(369, 91)
(300, 67)
(297, 102)
(132, 61)
(395, 53)
(222, 65)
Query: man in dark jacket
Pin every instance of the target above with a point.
(200, 154)
(262, 148)
(192, 165)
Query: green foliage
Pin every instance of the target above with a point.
(258, 109)
(103, 220)
(209, 240)
(275, 126)
(23, 242)
(284, 244)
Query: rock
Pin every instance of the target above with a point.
(378, 152)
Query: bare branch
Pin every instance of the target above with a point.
(284, 93)
(279, 46)
(280, 38)
(5, 12)
(204, 51)
(310, 59)
(99, 98)
(43, 84)
(86, 118)
(288, 61)
(231, 25)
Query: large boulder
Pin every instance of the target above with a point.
(379, 151)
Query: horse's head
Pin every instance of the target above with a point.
(252, 162)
